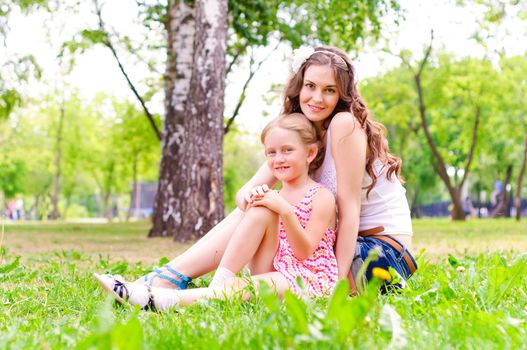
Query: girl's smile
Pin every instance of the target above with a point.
(287, 157)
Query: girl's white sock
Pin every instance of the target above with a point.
(138, 294)
(220, 276)
(164, 298)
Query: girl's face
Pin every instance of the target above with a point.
(319, 95)
(287, 156)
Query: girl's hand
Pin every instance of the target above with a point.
(256, 193)
(272, 201)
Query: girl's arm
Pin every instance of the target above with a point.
(348, 148)
(303, 241)
(262, 176)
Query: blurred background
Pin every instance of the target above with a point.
(83, 98)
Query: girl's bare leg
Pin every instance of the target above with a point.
(232, 286)
(254, 241)
(205, 255)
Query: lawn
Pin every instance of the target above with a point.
(476, 298)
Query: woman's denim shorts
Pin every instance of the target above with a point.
(388, 257)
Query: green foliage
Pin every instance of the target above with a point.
(9, 99)
(10, 179)
(242, 156)
(476, 302)
(341, 23)
(14, 73)
(455, 90)
(98, 152)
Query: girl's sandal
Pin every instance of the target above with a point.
(116, 286)
(182, 283)
(150, 305)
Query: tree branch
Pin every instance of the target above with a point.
(233, 61)
(241, 100)
(402, 58)
(135, 51)
(427, 54)
(441, 169)
(109, 44)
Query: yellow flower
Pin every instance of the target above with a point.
(381, 274)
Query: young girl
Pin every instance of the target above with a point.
(283, 236)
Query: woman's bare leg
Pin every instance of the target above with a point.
(205, 255)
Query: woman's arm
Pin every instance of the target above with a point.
(348, 148)
(303, 241)
(262, 176)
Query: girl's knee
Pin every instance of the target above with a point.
(261, 213)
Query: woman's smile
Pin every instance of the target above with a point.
(319, 95)
(315, 109)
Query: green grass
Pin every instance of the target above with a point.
(474, 299)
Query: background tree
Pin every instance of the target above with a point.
(513, 90)
(452, 100)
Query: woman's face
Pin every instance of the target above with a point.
(319, 95)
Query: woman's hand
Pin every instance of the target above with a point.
(272, 201)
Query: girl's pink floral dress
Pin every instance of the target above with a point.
(319, 272)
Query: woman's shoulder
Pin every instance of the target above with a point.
(344, 123)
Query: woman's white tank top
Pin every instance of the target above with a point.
(386, 204)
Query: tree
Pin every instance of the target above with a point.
(453, 98)
(194, 122)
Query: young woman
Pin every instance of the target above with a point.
(354, 163)
(283, 235)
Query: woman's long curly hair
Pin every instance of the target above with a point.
(349, 101)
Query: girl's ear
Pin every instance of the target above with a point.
(312, 151)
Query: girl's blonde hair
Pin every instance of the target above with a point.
(350, 101)
(298, 123)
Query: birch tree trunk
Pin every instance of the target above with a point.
(189, 199)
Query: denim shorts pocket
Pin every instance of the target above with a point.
(397, 259)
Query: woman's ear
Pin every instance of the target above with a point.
(312, 151)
